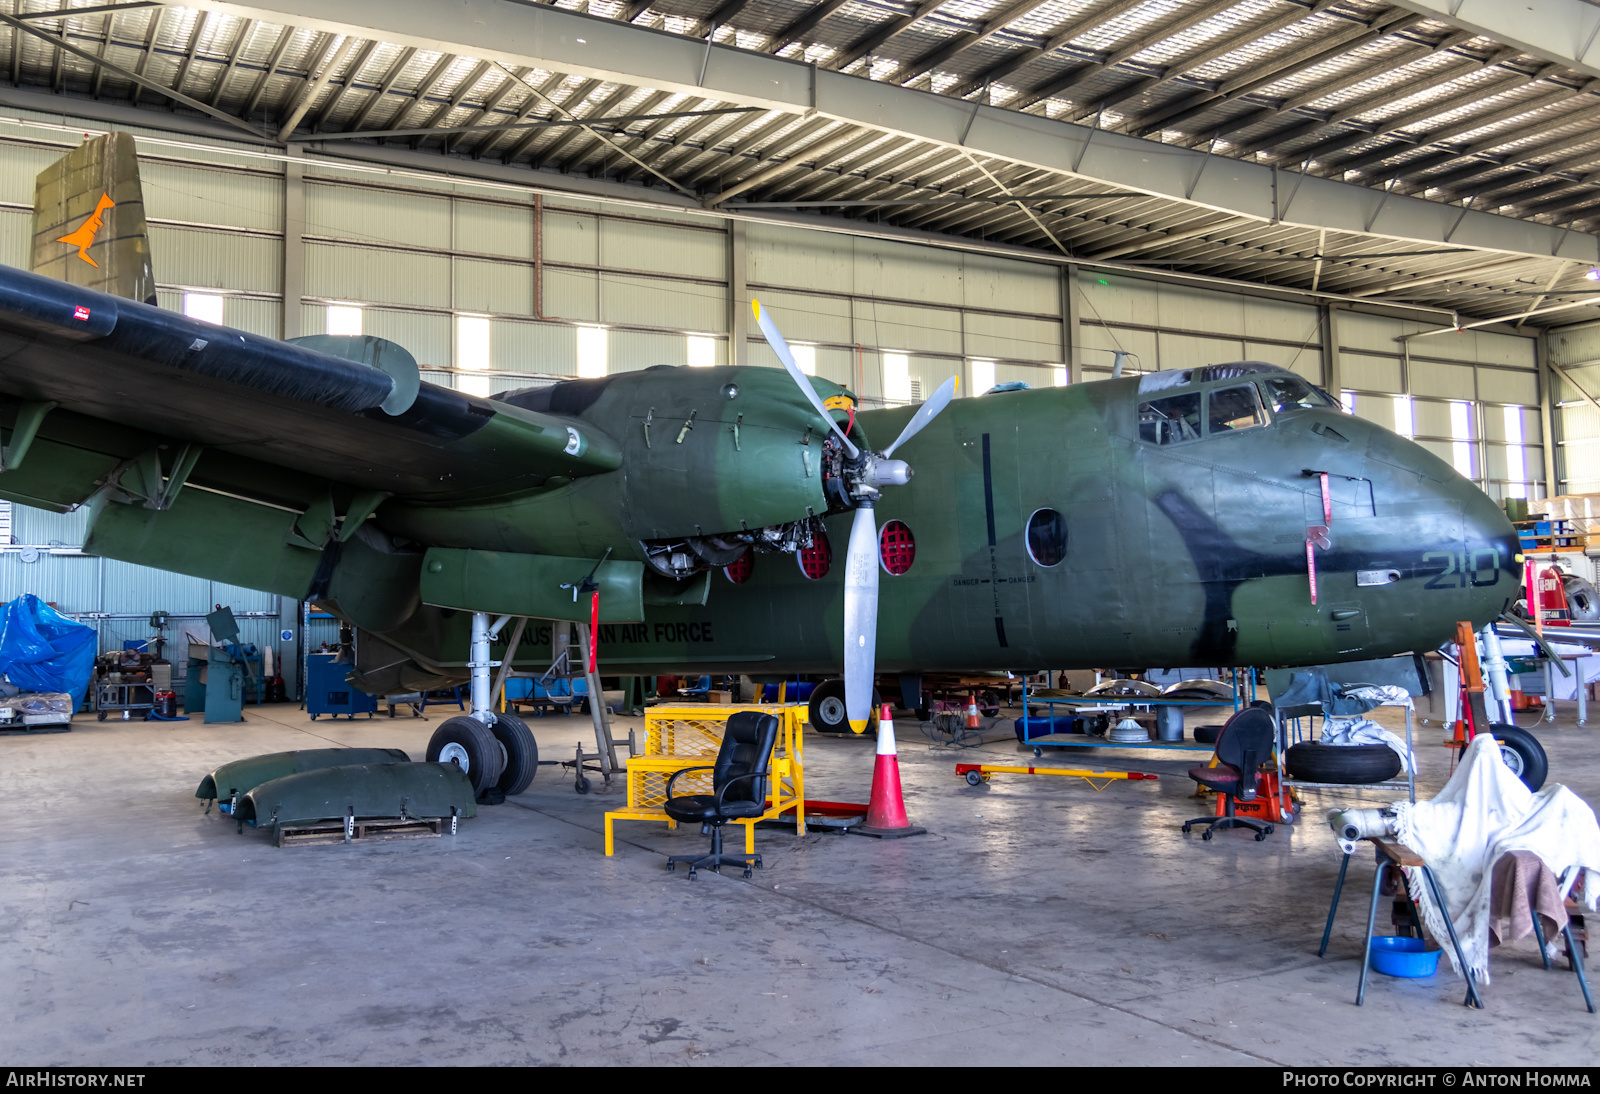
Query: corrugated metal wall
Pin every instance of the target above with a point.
(1575, 350)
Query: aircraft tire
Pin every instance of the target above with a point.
(522, 753)
(468, 744)
(827, 714)
(1583, 601)
(1320, 763)
(1523, 754)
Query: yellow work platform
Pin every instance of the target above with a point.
(684, 735)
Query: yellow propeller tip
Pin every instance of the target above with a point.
(755, 306)
(858, 727)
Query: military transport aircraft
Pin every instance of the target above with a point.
(719, 519)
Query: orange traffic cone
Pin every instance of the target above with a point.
(886, 811)
(972, 710)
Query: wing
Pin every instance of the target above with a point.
(234, 394)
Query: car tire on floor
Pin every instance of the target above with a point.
(1319, 763)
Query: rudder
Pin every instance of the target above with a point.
(88, 220)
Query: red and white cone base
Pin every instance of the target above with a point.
(886, 810)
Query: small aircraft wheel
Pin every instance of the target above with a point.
(522, 753)
(1523, 754)
(973, 778)
(467, 743)
(1038, 752)
(582, 785)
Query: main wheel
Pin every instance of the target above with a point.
(467, 743)
(827, 710)
(1523, 754)
(522, 753)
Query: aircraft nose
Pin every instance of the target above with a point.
(1493, 555)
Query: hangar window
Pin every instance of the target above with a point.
(204, 306)
(805, 357)
(592, 359)
(1047, 537)
(702, 352)
(815, 559)
(472, 353)
(1171, 420)
(1235, 408)
(344, 319)
(738, 571)
(897, 550)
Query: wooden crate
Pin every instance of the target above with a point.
(369, 830)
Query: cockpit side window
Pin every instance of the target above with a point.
(1172, 420)
(1235, 408)
(1289, 393)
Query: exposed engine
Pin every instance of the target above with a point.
(681, 558)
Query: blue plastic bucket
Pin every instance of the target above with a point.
(1395, 955)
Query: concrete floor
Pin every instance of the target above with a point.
(1037, 922)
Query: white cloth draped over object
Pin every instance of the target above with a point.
(1483, 812)
(1364, 731)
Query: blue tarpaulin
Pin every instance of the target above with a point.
(43, 650)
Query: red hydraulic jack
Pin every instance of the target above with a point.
(886, 812)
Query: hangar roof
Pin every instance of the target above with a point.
(1391, 152)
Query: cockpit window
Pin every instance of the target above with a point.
(1286, 393)
(1172, 420)
(1234, 408)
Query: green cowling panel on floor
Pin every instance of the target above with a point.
(364, 791)
(242, 776)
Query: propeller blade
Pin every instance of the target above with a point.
(860, 618)
(926, 413)
(769, 330)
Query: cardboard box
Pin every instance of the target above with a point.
(720, 698)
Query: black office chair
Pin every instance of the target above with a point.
(739, 789)
(1244, 744)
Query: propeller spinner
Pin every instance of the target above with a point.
(876, 469)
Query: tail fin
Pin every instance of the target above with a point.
(88, 220)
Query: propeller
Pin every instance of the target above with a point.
(868, 472)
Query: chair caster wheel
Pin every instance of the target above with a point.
(1040, 752)
(973, 778)
(1260, 836)
(747, 872)
(692, 875)
(581, 786)
(1186, 829)
(673, 866)
(1206, 834)
(1268, 831)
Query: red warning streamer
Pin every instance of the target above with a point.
(594, 630)
(1327, 502)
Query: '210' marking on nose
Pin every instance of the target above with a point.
(1457, 572)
